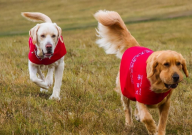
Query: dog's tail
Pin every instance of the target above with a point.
(114, 36)
(36, 16)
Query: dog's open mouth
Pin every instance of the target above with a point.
(171, 85)
(48, 54)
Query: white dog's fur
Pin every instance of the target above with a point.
(43, 34)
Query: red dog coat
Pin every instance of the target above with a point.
(59, 52)
(133, 77)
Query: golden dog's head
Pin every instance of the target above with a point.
(164, 70)
(45, 36)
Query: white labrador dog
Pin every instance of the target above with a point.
(44, 40)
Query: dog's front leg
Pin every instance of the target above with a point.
(40, 73)
(49, 78)
(33, 69)
(146, 118)
(163, 111)
(42, 77)
(58, 81)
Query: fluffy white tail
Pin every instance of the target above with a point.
(36, 16)
(114, 36)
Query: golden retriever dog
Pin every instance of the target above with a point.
(46, 51)
(153, 75)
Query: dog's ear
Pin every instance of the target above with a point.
(151, 65)
(33, 33)
(184, 67)
(59, 31)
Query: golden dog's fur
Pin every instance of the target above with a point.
(162, 68)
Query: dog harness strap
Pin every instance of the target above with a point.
(133, 77)
(59, 52)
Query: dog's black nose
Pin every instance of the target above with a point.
(49, 48)
(175, 77)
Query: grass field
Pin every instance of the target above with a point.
(88, 104)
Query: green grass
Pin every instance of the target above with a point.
(88, 104)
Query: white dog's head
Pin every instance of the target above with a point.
(45, 36)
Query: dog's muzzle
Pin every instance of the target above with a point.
(175, 78)
(49, 50)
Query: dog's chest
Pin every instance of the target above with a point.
(46, 67)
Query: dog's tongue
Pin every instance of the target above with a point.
(48, 54)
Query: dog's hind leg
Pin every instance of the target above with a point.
(128, 110)
(126, 104)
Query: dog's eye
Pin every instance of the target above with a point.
(42, 36)
(178, 63)
(53, 36)
(166, 64)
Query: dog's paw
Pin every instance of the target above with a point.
(44, 87)
(49, 81)
(160, 133)
(153, 132)
(43, 90)
(137, 118)
(149, 133)
(128, 124)
(54, 97)
(156, 133)
(136, 114)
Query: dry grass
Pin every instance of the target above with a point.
(88, 105)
